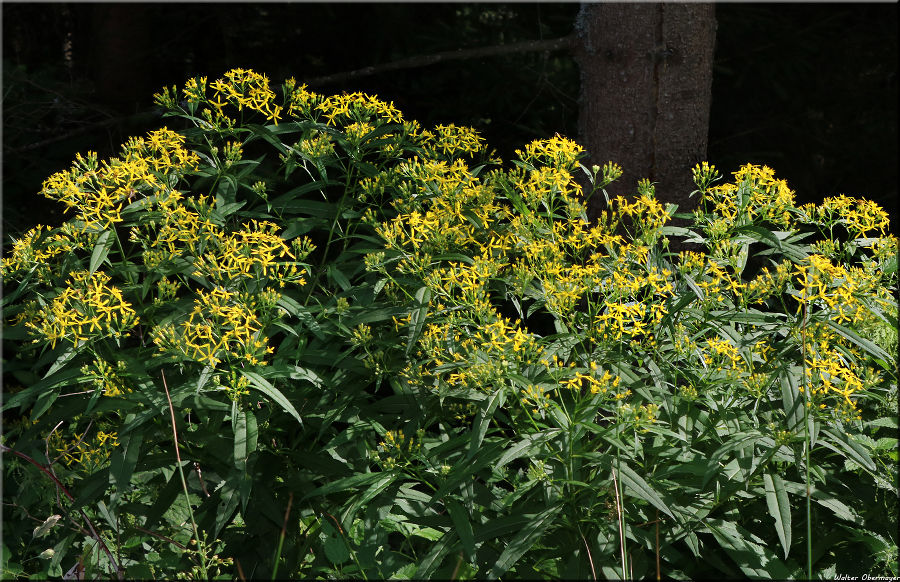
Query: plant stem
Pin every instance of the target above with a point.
(287, 513)
(621, 520)
(806, 437)
(187, 497)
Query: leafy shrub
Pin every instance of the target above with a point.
(305, 336)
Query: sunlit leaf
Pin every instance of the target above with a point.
(779, 508)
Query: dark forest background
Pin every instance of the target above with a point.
(810, 90)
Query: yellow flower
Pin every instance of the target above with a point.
(557, 152)
(87, 308)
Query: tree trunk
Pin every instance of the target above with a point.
(122, 63)
(646, 73)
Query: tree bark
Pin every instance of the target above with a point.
(646, 91)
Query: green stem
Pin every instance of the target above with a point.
(619, 511)
(806, 436)
(281, 537)
(334, 224)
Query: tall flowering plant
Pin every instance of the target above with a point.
(302, 335)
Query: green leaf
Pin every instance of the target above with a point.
(754, 559)
(417, 318)
(487, 455)
(840, 442)
(377, 487)
(462, 525)
(163, 499)
(263, 386)
(64, 358)
(790, 396)
(760, 234)
(338, 277)
(123, 461)
(523, 541)
(642, 490)
(407, 572)
(886, 422)
(26, 396)
(346, 484)
(315, 208)
(432, 560)
(869, 346)
(501, 526)
(429, 533)
(335, 545)
(839, 508)
(101, 249)
(245, 438)
(229, 497)
(522, 447)
(483, 420)
(267, 134)
(779, 508)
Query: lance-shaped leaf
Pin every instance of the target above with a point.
(523, 540)
(272, 392)
(779, 509)
(642, 490)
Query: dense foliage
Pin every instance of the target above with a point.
(304, 336)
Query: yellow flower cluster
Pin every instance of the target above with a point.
(245, 89)
(452, 140)
(527, 226)
(862, 218)
(106, 377)
(466, 354)
(831, 291)
(37, 249)
(722, 355)
(842, 290)
(358, 107)
(768, 283)
(318, 146)
(442, 209)
(638, 417)
(88, 308)
(704, 174)
(250, 253)
(223, 325)
(180, 231)
(647, 214)
(397, 450)
(593, 382)
(754, 194)
(86, 454)
(98, 193)
(827, 378)
(236, 387)
(557, 152)
(189, 232)
(299, 102)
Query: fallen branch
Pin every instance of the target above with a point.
(529, 46)
(136, 118)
